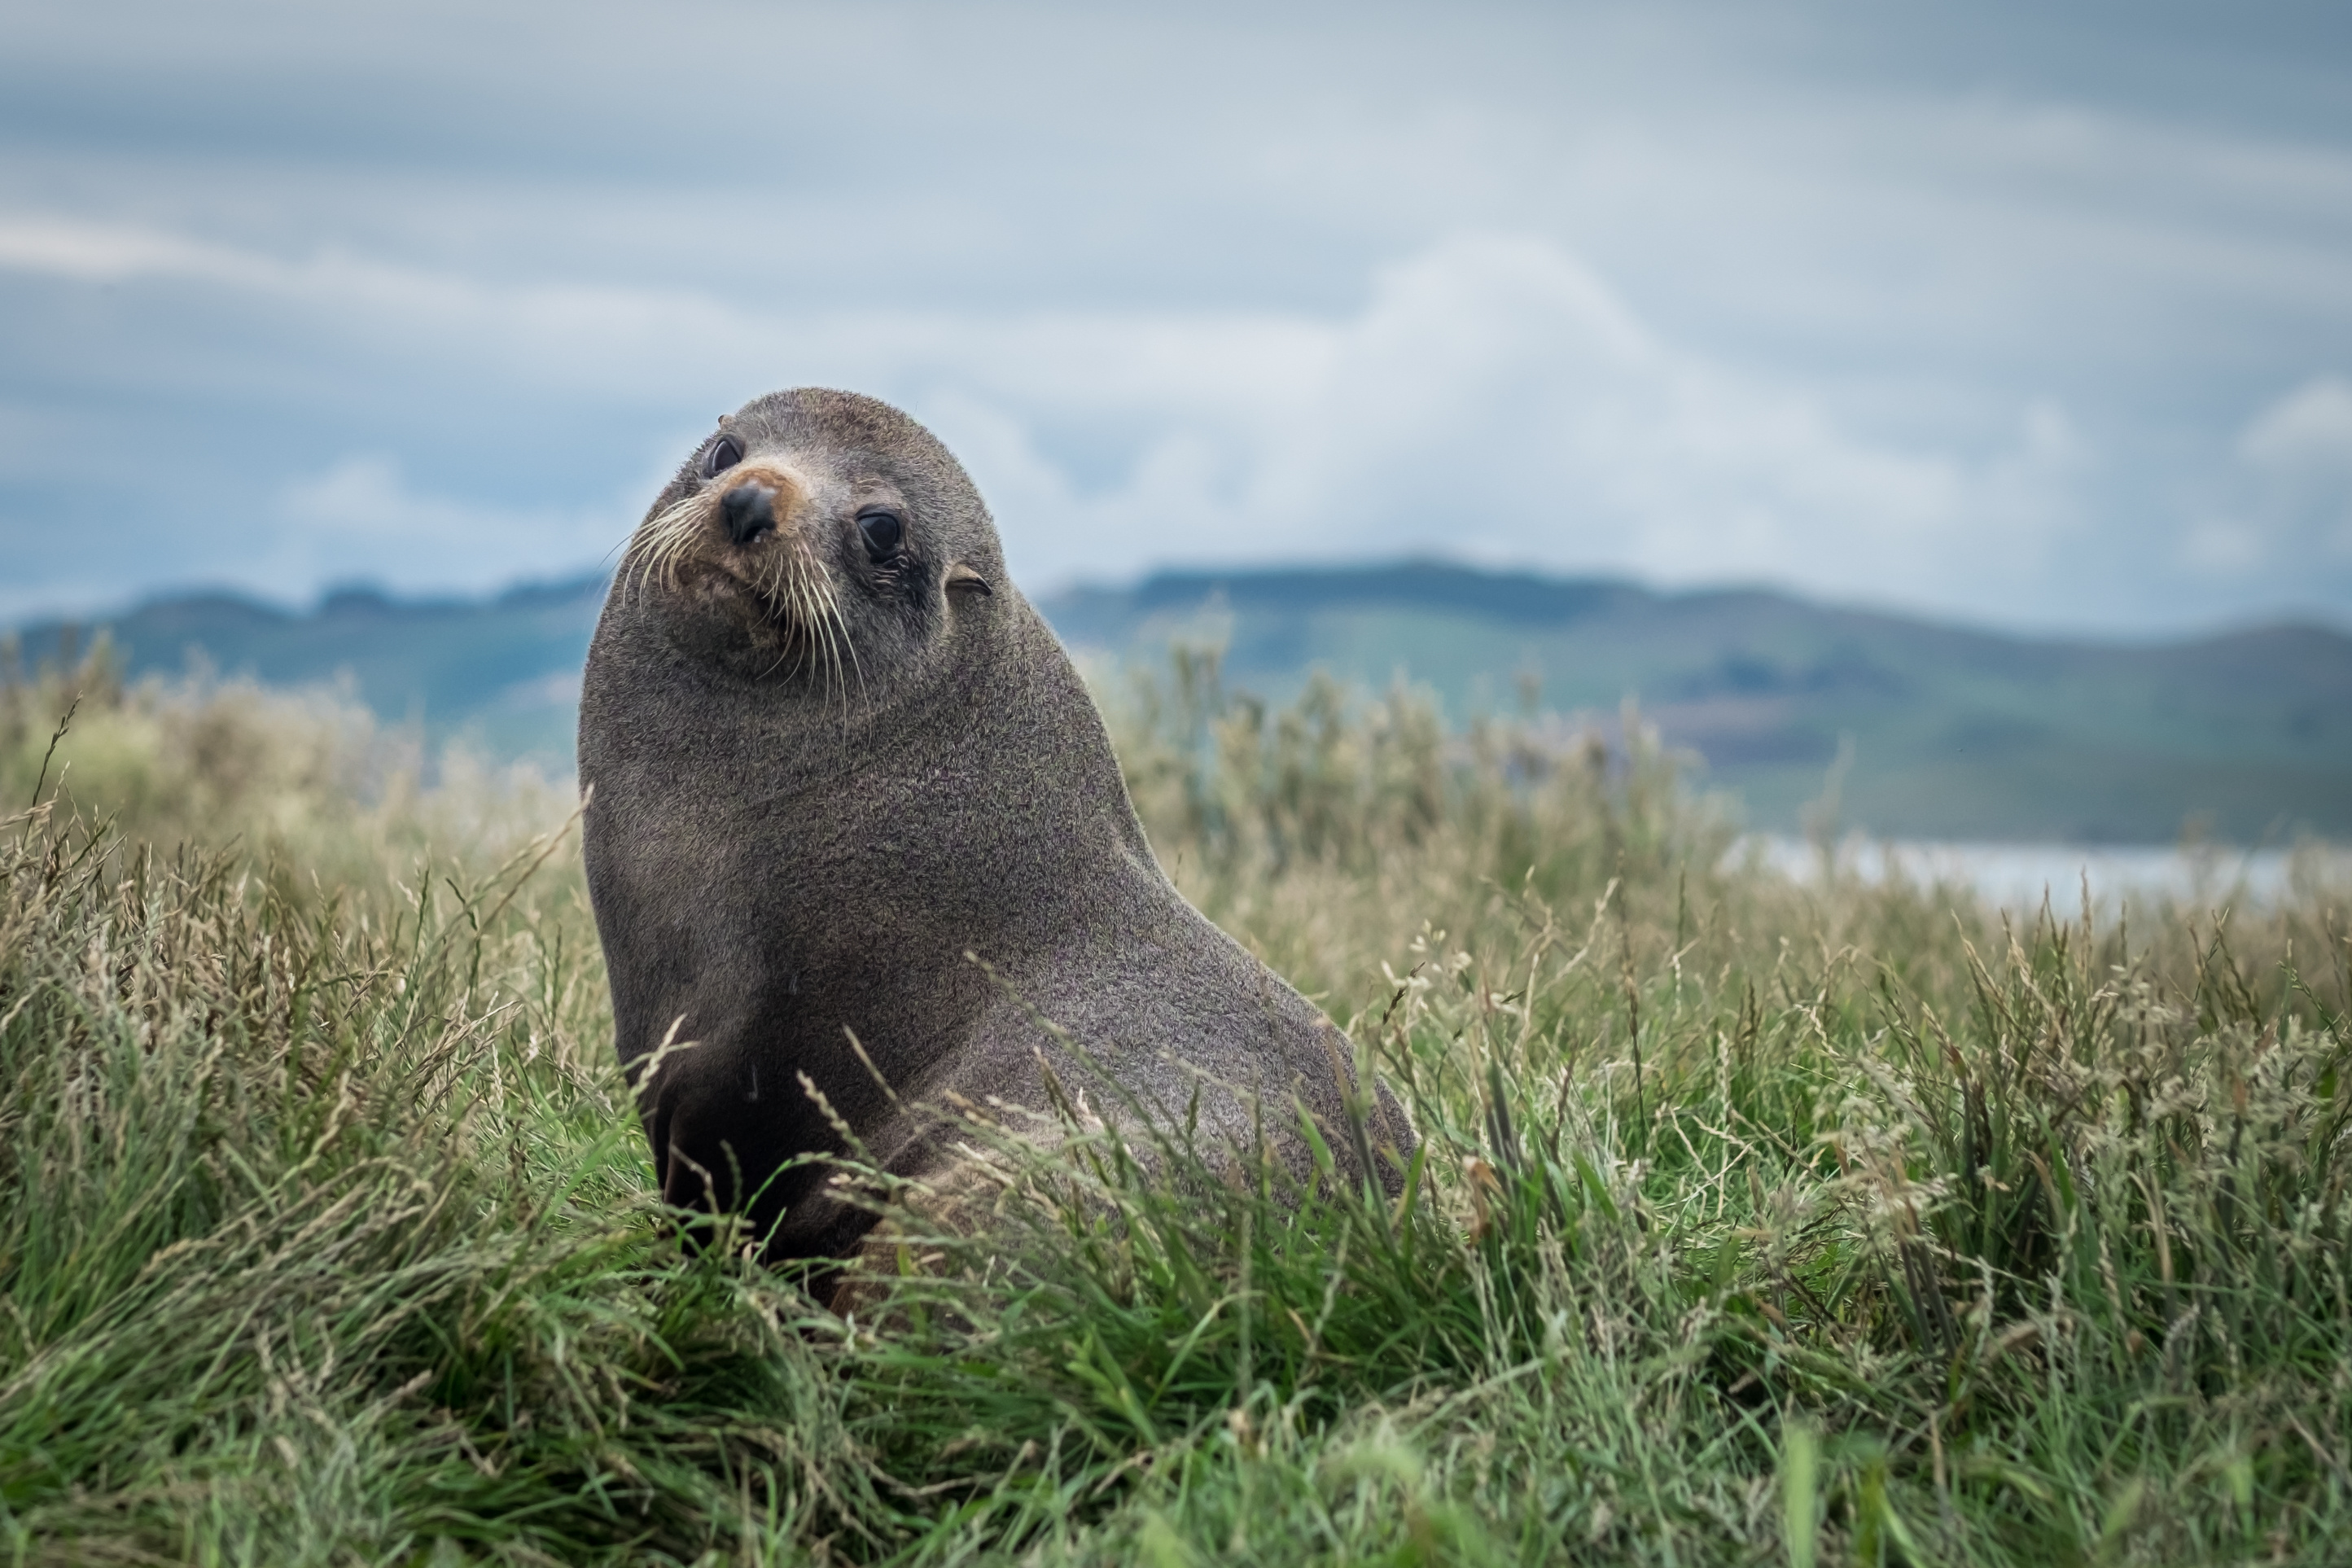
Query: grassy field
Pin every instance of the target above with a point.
(1758, 1224)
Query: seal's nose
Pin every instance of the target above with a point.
(750, 512)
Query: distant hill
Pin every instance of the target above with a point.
(1954, 732)
(502, 672)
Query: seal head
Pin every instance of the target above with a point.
(834, 756)
(765, 544)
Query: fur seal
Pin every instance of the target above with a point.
(832, 752)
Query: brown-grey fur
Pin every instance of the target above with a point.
(786, 842)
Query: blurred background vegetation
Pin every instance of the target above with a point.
(1935, 731)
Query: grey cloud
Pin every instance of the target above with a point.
(2304, 437)
(1958, 308)
(2296, 511)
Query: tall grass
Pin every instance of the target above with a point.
(1754, 1222)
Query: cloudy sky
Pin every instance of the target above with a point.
(2030, 315)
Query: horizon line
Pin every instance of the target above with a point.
(368, 589)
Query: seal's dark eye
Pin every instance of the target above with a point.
(882, 531)
(724, 453)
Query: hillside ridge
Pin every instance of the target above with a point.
(1952, 731)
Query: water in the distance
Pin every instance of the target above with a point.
(2016, 875)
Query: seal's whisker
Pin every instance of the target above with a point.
(838, 634)
(821, 633)
(825, 615)
(789, 652)
(784, 583)
(662, 543)
(799, 569)
(795, 575)
(810, 633)
(826, 620)
(856, 668)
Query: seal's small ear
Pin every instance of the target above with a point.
(962, 576)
